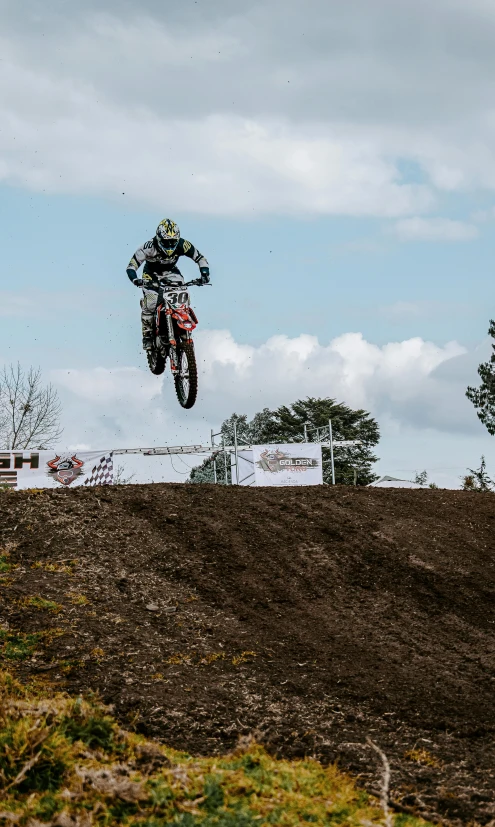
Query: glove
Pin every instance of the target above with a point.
(138, 282)
(205, 276)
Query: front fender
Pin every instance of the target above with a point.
(185, 319)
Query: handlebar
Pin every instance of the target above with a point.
(196, 282)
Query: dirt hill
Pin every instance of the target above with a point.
(312, 617)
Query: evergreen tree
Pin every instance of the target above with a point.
(421, 478)
(286, 424)
(483, 398)
(248, 433)
(478, 480)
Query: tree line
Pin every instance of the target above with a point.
(353, 464)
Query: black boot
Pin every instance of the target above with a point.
(147, 341)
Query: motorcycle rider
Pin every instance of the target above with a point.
(160, 257)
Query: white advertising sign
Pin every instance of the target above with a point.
(294, 464)
(246, 468)
(49, 469)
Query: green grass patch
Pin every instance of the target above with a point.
(18, 645)
(64, 757)
(94, 730)
(5, 566)
(37, 602)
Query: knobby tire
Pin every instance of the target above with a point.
(156, 362)
(186, 395)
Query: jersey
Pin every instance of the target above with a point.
(158, 265)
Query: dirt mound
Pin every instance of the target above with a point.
(65, 762)
(313, 617)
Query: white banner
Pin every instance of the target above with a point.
(49, 469)
(294, 464)
(246, 468)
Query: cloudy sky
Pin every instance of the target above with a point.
(335, 163)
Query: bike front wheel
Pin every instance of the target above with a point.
(186, 375)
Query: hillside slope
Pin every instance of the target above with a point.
(313, 617)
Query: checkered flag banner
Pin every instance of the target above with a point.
(102, 473)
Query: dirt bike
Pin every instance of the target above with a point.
(173, 322)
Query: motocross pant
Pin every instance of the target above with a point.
(148, 307)
(149, 302)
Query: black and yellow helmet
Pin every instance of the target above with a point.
(167, 236)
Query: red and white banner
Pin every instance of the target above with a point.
(49, 469)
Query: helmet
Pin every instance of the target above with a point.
(167, 236)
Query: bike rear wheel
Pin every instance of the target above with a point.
(156, 361)
(186, 377)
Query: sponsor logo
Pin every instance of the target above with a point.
(18, 461)
(11, 463)
(65, 470)
(276, 461)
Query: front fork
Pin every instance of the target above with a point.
(170, 328)
(175, 355)
(172, 343)
(168, 325)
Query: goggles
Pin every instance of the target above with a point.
(168, 245)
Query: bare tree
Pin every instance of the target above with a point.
(29, 410)
(119, 477)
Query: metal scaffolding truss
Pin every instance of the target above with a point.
(166, 450)
(322, 435)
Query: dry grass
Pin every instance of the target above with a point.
(244, 657)
(422, 756)
(58, 567)
(77, 599)
(66, 763)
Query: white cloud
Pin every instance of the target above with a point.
(434, 229)
(72, 142)
(414, 388)
(399, 381)
(482, 216)
(109, 386)
(165, 46)
(395, 380)
(247, 110)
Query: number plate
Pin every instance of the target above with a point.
(177, 297)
